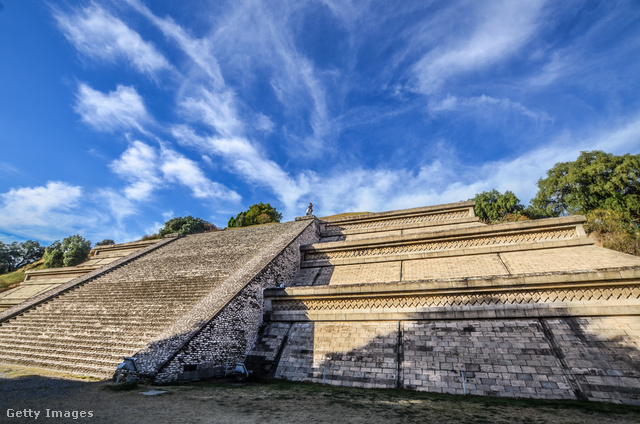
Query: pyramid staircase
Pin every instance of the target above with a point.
(86, 328)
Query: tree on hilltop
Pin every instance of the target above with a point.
(17, 255)
(185, 225)
(72, 251)
(492, 206)
(105, 242)
(257, 214)
(596, 180)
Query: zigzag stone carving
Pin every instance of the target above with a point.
(493, 240)
(329, 228)
(437, 300)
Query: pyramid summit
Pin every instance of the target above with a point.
(426, 299)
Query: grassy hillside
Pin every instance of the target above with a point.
(12, 279)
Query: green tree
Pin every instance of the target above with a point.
(17, 255)
(596, 180)
(5, 258)
(257, 214)
(105, 242)
(53, 255)
(184, 225)
(72, 251)
(492, 206)
(76, 250)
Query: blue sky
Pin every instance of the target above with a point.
(118, 115)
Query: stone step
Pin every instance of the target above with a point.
(89, 333)
(105, 372)
(105, 320)
(147, 307)
(129, 341)
(127, 298)
(79, 328)
(80, 346)
(78, 360)
(115, 293)
(103, 354)
(138, 302)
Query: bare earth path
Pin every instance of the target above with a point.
(22, 392)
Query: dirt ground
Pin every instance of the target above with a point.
(23, 393)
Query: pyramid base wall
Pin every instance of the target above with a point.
(586, 358)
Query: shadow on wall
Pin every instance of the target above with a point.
(595, 358)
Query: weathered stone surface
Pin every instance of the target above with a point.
(40, 281)
(156, 304)
(517, 310)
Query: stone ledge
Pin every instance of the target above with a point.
(603, 278)
(401, 227)
(123, 246)
(528, 311)
(402, 212)
(514, 228)
(466, 251)
(36, 273)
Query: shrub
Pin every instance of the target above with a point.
(183, 225)
(257, 214)
(72, 251)
(105, 242)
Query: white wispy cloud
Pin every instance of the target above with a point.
(215, 109)
(7, 168)
(121, 109)
(246, 160)
(501, 28)
(483, 103)
(42, 211)
(252, 35)
(449, 180)
(198, 49)
(119, 206)
(98, 35)
(139, 166)
(177, 168)
(147, 169)
(271, 44)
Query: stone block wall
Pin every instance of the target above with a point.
(345, 354)
(511, 358)
(562, 358)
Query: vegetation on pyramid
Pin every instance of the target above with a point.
(602, 186)
(257, 214)
(72, 251)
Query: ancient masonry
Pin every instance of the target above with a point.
(179, 304)
(425, 299)
(42, 280)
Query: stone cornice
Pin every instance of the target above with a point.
(605, 292)
(400, 213)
